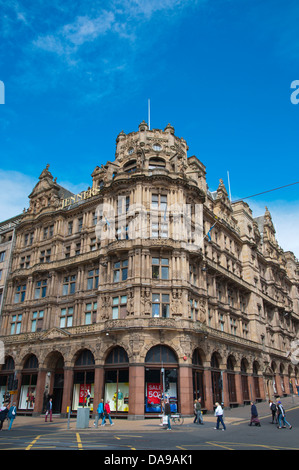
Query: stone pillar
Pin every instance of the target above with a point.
(136, 392)
(225, 389)
(98, 387)
(239, 392)
(67, 390)
(185, 390)
(208, 390)
(39, 395)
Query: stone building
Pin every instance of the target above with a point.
(146, 283)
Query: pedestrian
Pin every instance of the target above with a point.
(219, 414)
(254, 416)
(12, 413)
(281, 416)
(100, 411)
(194, 411)
(3, 414)
(49, 410)
(167, 413)
(198, 412)
(107, 412)
(273, 409)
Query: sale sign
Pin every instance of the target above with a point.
(154, 393)
(85, 392)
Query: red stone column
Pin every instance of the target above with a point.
(136, 392)
(67, 390)
(239, 391)
(208, 390)
(98, 387)
(185, 390)
(39, 395)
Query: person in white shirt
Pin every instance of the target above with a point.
(219, 414)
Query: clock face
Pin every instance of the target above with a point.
(130, 151)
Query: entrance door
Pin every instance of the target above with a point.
(58, 392)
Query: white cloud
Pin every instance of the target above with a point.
(15, 188)
(285, 218)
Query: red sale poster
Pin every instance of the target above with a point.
(154, 393)
(84, 389)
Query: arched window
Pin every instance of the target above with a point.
(83, 391)
(161, 377)
(156, 162)
(117, 380)
(161, 354)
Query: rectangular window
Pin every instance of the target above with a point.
(70, 228)
(160, 268)
(16, 322)
(2, 256)
(66, 317)
(69, 285)
(194, 309)
(120, 271)
(37, 321)
(91, 313)
(80, 224)
(93, 279)
(159, 224)
(160, 305)
(20, 294)
(41, 289)
(119, 307)
(45, 256)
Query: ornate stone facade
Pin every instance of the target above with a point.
(145, 282)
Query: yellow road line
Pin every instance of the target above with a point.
(80, 447)
(32, 443)
(218, 445)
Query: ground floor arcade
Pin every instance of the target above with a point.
(135, 389)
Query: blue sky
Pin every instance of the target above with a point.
(76, 73)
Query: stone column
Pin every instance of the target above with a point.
(185, 388)
(39, 395)
(136, 392)
(67, 390)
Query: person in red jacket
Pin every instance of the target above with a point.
(107, 414)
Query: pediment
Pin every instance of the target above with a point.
(54, 333)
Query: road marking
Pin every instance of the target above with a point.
(32, 443)
(218, 445)
(80, 447)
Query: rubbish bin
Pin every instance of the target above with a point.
(82, 418)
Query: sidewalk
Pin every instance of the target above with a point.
(232, 416)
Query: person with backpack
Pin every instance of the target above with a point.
(273, 409)
(281, 416)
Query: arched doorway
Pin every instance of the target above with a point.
(161, 378)
(198, 377)
(83, 388)
(28, 384)
(58, 384)
(117, 380)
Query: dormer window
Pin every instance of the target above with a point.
(156, 163)
(130, 166)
